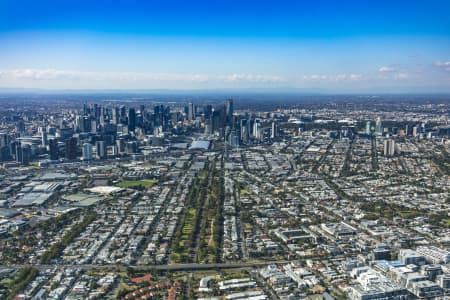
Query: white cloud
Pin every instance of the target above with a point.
(442, 63)
(386, 69)
(445, 65)
(34, 74)
(251, 78)
(54, 75)
(315, 77)
(402, 76)
(331, 78)
(356, 77)
(389, 73)
(341, 76)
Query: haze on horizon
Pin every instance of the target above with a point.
(350, 46)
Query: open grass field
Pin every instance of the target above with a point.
(136, 183)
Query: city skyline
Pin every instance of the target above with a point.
(219, 199)
(337, 48)
(224, 150)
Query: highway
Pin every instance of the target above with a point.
(172, 267)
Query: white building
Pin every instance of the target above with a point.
(434, 255)
(87, 151)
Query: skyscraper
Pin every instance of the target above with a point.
(207, 111)
(71, 146)
(115, 115)
(87, 151)
(415, 131)
(191, 112)
(208, 129)
(368, 129)
(53, 149)
(378, 127)
(43, 136)
(23, 154)
(94, 126)
(131, 119)
(85, 109)
(20, 127)
(257, 134)
(218, 121)
(274, 131)
(5, 152)
(4, 139)
(245, 134)
(86, 124)
(229, 112)
(389, 147)
(234, 138)
(26, 154)
(407, 130)
(101, 149)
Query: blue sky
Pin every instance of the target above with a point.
(335, 46)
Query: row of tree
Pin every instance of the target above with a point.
(57, 248)
(189, 226)
(212, 228)
(19, 282)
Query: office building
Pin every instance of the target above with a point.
(87, 151)
(373, 285)
(229, 112)
(44, 140)
(257, 130)
(378, 127)
(23, 154)
(368, 129)
(389, 147)
(408, 256)
(274, 130)
(131, 119)
(71, 148)
(245, 132)
(101, 149)
(434, 254)
(53, 149)
(191, 112)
